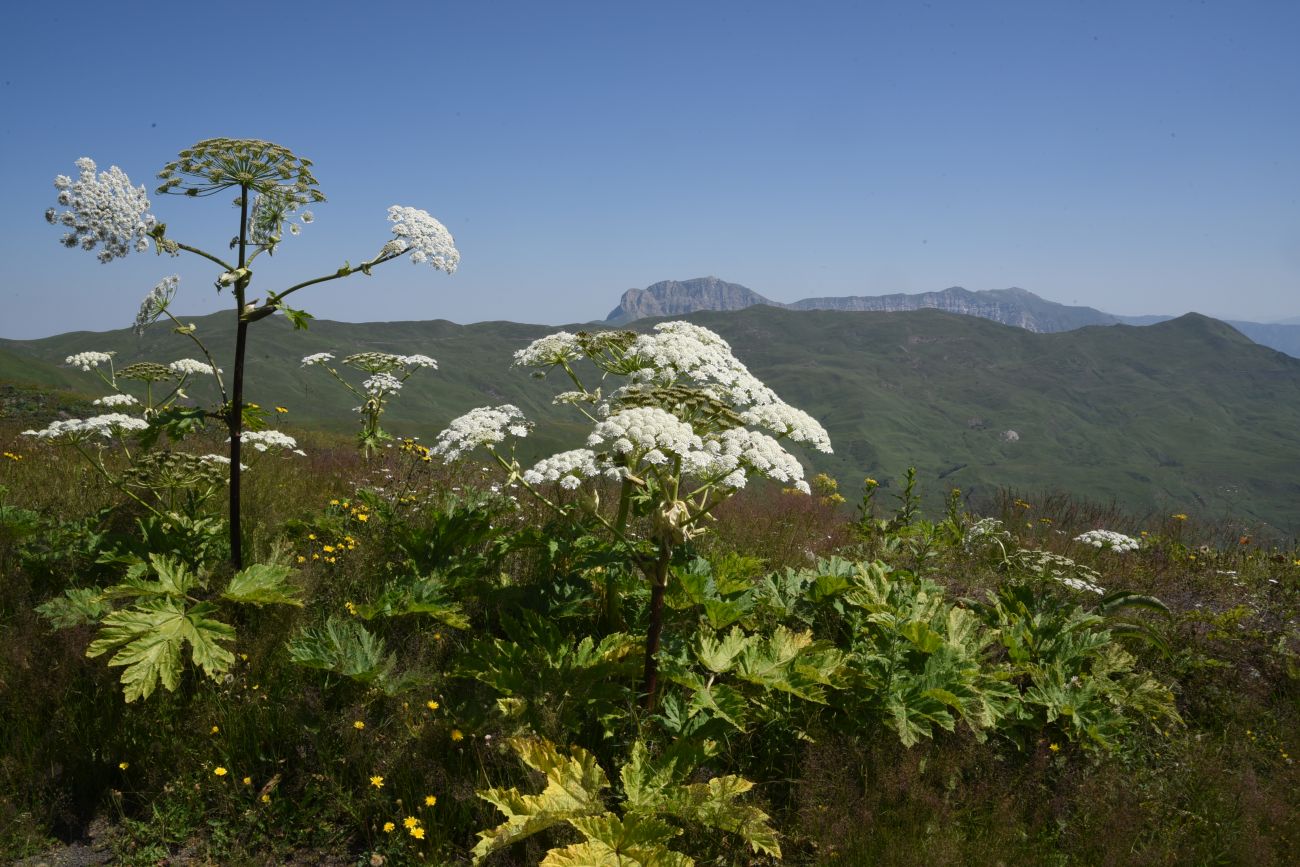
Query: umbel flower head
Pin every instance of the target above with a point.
(423, 237)
(216, 164)
(155, 303)
(103, 211)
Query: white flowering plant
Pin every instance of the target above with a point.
(684, 426)
(386, 374)
(272, 188)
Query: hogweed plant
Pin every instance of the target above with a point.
(683, 426)
(272, 187)
(387, 374)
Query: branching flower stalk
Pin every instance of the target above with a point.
(684, 432)
(271, 185)
(388, 373)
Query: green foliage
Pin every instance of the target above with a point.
(345, 647)
(653, 792)
(262, 584)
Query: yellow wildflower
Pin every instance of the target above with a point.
(430, 800)
(122, 766)
(388, 827)
(431, 704)
(328, 549)
(1056, 748)
(358, 725)
(331, 559)
(281, 409)
(350, 606)
(377, 782)
(417, 833)
(220, 771)
(302, 559)
(410, 822)
(1179, 517)
(266, 799)
(363, 517)
(334, 502)
(457, 735)
(248, 781)
(311, 536)
(216, 729)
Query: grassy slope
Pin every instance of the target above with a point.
(1187, 415)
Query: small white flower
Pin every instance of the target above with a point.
(425, 238)
(787, 421)
(78, 430)
(88, 361)
(317, 358)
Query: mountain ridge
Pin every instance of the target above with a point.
(1015, 306)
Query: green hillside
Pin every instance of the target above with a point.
(1187, 415)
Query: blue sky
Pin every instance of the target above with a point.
(1136, 157)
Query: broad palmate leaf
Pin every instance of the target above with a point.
(262, 584)
(149, 636)
(633, 841)
(573, 790)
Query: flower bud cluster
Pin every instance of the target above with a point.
(568, 468)
(155, 303)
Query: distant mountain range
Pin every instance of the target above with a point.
(1186, 415)
(1018, 308)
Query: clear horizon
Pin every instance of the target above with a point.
(1135, 158)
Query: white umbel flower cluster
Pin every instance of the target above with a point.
(739, 452)
(88, 361)
(1117, 542)
(568, 468)
(270, 440)
(80, 429)
(191, 367)
(788, 422)
(221, 460)
(317, 358)
(155, 303)
(118, 399)
(103, 211)
(418, 361)
(484, 426)
(381, 384)
(425, 238)
(649, 433)
(552, 349)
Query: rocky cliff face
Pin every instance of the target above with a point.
(674, 298)
(1015, 307)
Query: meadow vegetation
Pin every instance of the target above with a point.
(665, 646)
(841, 686)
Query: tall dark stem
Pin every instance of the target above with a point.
(658, 584)
(235, 421)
